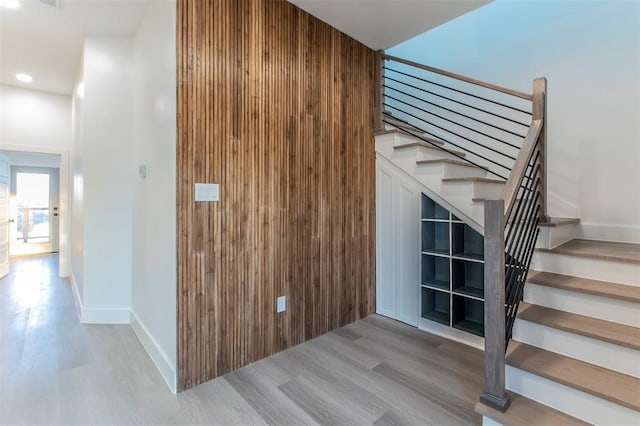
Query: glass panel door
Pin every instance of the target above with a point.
(32, 201)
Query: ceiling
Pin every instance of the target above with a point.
(381, 24)
(46, 42)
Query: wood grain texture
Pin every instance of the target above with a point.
(601, 382)
(601, 250)
(607, 331)
(585, 285)
(277, 107)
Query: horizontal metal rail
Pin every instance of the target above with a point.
(460, 77)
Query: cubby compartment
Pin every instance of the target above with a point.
(468, 315)
(435, 305)
(435, 271)
(467, 277)
(435, 237)
(452, 270)
(433, 210)
(466, 242)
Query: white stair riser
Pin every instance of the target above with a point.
(448, 170)
(608, 355)
(603, 270)
(427, 153)
(473, 190)
(573, 402)
(604, 308)
(553, 236)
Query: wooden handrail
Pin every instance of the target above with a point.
(510, 191)
(460, 77)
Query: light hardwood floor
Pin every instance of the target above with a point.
(54, 370)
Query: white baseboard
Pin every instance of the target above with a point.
(623, 233)
(158, 356)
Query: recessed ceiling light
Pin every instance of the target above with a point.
(10, 4)
(25, 78)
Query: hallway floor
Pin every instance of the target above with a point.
(54, 370)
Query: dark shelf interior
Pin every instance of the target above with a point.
(468, 277)
(435, 269)
(435, 237)
(452, 271)
(444, 285)
(467, 242)
(433, 210)
(435, 305)
(468, 315)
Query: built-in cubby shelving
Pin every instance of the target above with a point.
(452, 270)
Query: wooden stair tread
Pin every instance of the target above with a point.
(555, 222)
(585, 285)
(602, 250)
(527, 412)
(473, 179)
(601, 382)
(416, 134)
(426, 145)
(448, 161)
(607, 331)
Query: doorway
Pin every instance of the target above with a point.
(34, 210)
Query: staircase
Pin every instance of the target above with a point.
(575, 327)
(576, 341)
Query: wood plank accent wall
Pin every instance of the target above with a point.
(277, 107)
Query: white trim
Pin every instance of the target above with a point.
(621, 233)
(158, 356)
(451, 333)
(105, 316)
(76, 296)
(64, 225)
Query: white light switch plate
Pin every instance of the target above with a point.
(281, 304)
(207, 192)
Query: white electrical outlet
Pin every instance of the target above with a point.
(281, 304)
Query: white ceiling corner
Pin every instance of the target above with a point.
(381, 24)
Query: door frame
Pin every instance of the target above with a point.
(51, 246)
(64, 207)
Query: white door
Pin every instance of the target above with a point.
(4, 215)
(34, 210)
(397, 245)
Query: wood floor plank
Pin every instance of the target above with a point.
(610, 385)
(607, 331)
(455, 404)
(585, 285)
(318, 405)
(258, 391)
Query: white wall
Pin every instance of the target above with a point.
(103, 171)
(35, 121)
(590, 54)
(77, 191)
(154, 202)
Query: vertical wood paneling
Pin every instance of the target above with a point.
(277, 107)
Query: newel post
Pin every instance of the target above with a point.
(379, 91)
(494, 393)
(539, 112)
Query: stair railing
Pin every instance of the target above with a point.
(511, 230)
(438, 106)
(482, 123)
